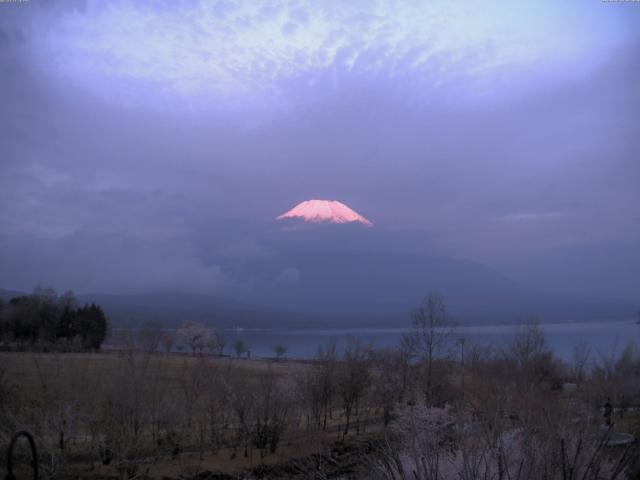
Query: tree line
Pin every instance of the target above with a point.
(45, 320)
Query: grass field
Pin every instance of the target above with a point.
(73, 387)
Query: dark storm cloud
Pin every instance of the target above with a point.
(147, 190)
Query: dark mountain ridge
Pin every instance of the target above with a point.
(298, 275)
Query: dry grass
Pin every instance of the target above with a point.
(33, 373)
(24, 368)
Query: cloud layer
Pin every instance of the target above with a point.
(497, 133)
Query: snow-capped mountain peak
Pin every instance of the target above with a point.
(324, 211)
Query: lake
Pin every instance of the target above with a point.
(603, 337)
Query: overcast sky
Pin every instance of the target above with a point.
(128, 132)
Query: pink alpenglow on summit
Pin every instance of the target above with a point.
(324, 211)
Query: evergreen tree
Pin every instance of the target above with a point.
(45, 317)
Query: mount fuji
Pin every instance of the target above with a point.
(324, 211)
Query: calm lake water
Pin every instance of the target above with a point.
(603, 337)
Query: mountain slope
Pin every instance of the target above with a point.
(382, 288)
(174, 309)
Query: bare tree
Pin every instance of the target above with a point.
(242, 395)
(430, 337)
(121, 417)
(533, 358)
(216, 403)
(271, 408)
(192, 380)
(211, 344)
(389, 380)
(150, 337)
(222, 342)
(196, 337)
(318, 386)
(354, 379)
(528, 343)
(167, 340)
(581, 357)
(280, 351)
(239, 347)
